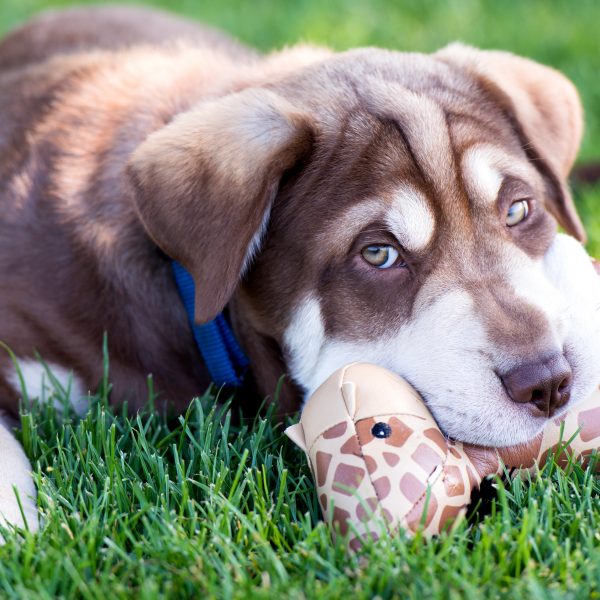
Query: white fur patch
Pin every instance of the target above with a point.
(484, 167)
(411, 219)
(438, 353)
(304, 338)
(15, 472)
(38, 384)
(530, 282)
(569, 269)
(483, 177)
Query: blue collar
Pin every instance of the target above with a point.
(223, 356)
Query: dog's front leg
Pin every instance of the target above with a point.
(17, 490)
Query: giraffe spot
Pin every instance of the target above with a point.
(357, 542)
(453, 481)
(341, 517)
(382, 487)
(323, 461)
(411, 487)
(351, 446)
(391, 458)
(449, 516)
(336, 431)
(371, 464)
(416, 513)
(427, 458)
(400, 433)
(435, 435)
(347, 476)
(454, 452)
(589, 422)
(323, 500)
(362, 514)
(363, 431)
(387, 515)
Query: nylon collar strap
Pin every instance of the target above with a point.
(223, 356)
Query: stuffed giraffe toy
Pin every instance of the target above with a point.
(381, 463)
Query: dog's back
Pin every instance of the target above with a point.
(106, 28)
(63, 76)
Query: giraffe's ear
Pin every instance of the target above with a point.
(296, 434)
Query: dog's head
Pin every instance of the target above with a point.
(394, 208)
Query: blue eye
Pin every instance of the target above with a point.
(382, 256)
(517, 212)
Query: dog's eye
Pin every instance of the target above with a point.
(517, 212)
(381, 256)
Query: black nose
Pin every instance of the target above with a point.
(545, 384)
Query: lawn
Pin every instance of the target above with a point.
(197, 506)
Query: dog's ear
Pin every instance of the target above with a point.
(546, 112)
(203, 185)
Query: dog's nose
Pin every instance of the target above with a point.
(545, 384)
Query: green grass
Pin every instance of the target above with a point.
(198, 507)
(145, 506)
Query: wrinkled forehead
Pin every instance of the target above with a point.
(412, 212)
(415, 214)
(413, 162)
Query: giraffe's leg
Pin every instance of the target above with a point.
(17, 490)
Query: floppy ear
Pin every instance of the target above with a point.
(547, 114)
(203, 185)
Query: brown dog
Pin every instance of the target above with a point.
(370, 205)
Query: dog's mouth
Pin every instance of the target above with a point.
(506, 422)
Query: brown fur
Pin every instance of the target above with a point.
(123, 148)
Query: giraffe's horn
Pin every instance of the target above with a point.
(296, 434)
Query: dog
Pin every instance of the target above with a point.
(371, 205)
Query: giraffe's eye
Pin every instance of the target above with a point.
(381, 430)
